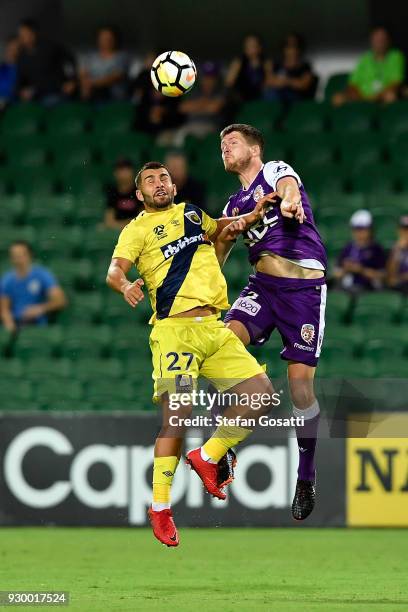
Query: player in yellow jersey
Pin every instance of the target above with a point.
(172, 248)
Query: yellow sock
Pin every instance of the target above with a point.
(224, 438)
(164, 469)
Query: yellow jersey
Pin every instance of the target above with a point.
(176, 260)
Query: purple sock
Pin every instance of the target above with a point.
(307, 438)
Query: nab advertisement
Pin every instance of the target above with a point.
(377, 472)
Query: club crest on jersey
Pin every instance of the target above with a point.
(258, 193)
(308, 333)
(193, 217)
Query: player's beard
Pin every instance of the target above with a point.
(238, 166)
(159, 202)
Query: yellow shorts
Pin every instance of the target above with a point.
(185, 348)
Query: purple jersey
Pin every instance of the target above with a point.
(371, 256)
(300, 243)
(402, 259)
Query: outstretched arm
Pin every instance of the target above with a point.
(291, 205)
(249, 218)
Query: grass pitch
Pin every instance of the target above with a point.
(213, 569)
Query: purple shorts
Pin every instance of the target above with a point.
(296, 307)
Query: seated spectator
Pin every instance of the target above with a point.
(188, 189)
(378, 75)
(45, 70)
(291, 79)
(202, 107)
(246, 75)
(103, 73)
(361, 265)
(8, 71)
(155, 113)
(29, 292)
(121, 202)
(397, 268)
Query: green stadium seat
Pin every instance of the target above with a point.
(68, 119)
(398, 152)
(57, 241)
(279, 145)
(338, 307)
(22, 119)
(83, 308)
(260, 113)
(50, 210)
(42, 368)
(374, 179)
(100, 243)
(52, 395)
(323, 183)
(237, 270)
(305, 118)
(352, 118)
(395, 202)
(103, 392)
(359, 151)
(388, 332)
(333, 350)
(12, 209)
(334, 237)
(387, 367)
(113, 118)
(85, 183)
(342, 201)
(378, 307)
(337, 331)
(74, 274)
(345, 368)
(393, 120)
(312, 153)
(376, 349)
(134, 345)
(117, 312)
(133, 145)
(16, 396)
(32, 181)
(404, 311)
(38, 342)
(335, 83)
(74, 152)
(82, 341)
(97, 369)
(25, 153)
(11, 368)
(386, 224)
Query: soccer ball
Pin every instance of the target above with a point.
(173, 73)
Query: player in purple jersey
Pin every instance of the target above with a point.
(287, 290)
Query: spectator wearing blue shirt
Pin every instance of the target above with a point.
(29, 292)
(8, 71)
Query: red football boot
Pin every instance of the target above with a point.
(208, 472)
(163, 526)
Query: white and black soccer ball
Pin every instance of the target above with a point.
(173, 73)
